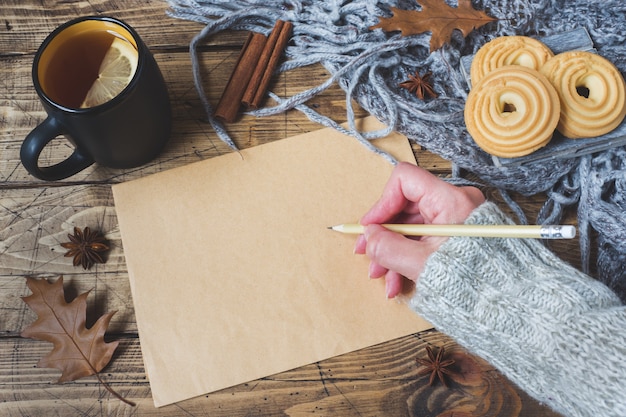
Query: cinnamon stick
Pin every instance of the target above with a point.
(230, 101)
(273, 50)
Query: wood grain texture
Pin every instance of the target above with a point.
(379, 381)
(36, 216)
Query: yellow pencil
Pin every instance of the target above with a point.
(505, 230)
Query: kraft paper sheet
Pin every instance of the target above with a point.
(234, 274)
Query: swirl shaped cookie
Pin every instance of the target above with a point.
(591, 90)
(512, 111)
(508, 50)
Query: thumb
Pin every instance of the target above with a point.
(403, 255)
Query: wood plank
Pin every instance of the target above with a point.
(27, 23)
(35, 216)
(33, 224)
(192, 137)
(381, 380)
(107, 292)
(35, 221)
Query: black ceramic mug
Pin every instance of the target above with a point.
(126, 130)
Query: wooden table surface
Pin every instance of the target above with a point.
(36, 216)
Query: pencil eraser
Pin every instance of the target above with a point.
(568, 232)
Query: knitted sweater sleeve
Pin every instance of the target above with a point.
(557, 333)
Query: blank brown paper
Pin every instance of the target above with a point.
(233, 272)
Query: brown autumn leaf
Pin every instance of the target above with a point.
(438, 18)
(77, 351)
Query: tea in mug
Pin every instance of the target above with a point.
(103, 91)
(88, 64)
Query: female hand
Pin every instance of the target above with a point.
(415, 196)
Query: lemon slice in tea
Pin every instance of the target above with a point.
(116, 71)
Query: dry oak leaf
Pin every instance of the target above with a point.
(77, 351)
(438, 18)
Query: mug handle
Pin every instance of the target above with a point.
(34, 143)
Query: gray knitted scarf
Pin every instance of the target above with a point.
(368, 65)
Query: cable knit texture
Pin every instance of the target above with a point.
(557, 333)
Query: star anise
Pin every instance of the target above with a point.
(420, 85)
(85, 246)
(436, 366)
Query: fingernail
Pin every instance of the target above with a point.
(387, 289)
(360, 242)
